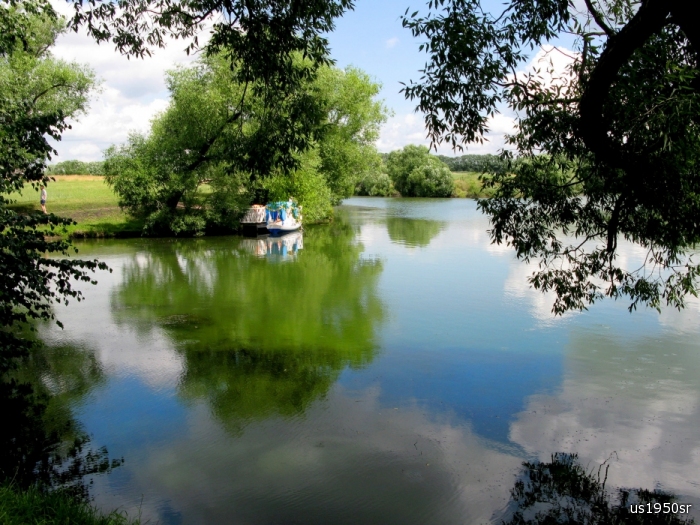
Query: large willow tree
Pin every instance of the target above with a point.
(198, 169)
(260, 39)
(38, 96)
(607, 150)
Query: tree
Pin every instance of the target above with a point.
(75, 167)
(162, 176)
(417, 173)
(608, 149)
(375, 184)
(351, 127)
(261, 40)
(39, 93)
(474, 163)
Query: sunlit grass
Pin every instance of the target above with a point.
(86, 199)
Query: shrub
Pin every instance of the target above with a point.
(431, 180)
(375, 184)
(417, 173)
(470, 186)
(19, 507)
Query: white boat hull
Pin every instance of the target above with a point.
(281, 227)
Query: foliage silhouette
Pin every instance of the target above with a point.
(562, 491)
(608, 148)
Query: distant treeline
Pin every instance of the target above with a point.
(477, 163)
(76, 167)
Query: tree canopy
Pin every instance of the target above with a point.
(261, 40)
(198, 169)
(608, 149)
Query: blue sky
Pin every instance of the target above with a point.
(370, 37)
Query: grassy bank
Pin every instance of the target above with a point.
(55, 508)
(86, 199)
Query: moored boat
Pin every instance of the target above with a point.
(283, 217)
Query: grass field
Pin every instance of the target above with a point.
(87, 200)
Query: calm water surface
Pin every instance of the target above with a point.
(392, 367)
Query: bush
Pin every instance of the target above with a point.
(417, 173)
(431, 180)
(470, 186)
(376, 184)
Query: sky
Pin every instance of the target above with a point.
(133, 91)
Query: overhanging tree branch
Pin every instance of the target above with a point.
(599, 19)
(650, 19)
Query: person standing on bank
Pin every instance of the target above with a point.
(43, 199)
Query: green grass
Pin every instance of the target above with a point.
(468, 185)
(32, 507)
(86, 199)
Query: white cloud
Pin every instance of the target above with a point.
(111, 118)
(637, 401)
(83, 151)
(392, 42)
(133, 92)
(409, 128)
(550, 67)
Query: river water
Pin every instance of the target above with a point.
(391, 367)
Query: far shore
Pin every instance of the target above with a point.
(95, 208)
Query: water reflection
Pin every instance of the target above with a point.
(258, 339)
(250, 385)
(283, 248)
(413, 232)
(637, 397)
(348, 460)
(41, 443)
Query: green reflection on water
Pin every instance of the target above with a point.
(41, 443)
(413, 232)
(260, 335)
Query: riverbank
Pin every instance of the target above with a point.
(92, 204)
(86, 199)
(32, 506)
